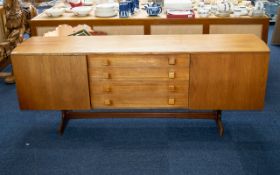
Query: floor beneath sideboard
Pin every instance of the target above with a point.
(30, 145)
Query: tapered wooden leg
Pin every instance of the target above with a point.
(64, 122)
(219, 123)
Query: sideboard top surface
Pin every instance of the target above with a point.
(148, 44)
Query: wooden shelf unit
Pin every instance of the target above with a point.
(141, 24)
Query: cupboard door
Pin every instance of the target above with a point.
(52, 82)
(233, 81)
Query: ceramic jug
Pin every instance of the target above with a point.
(153, 9)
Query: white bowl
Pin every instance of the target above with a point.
(81, 11)
(54, 12)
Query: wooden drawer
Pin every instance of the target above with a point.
(139, 81)
(136, 61)
(140, 73)
(138, 87)
(139, 101)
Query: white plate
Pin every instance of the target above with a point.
(179, 12)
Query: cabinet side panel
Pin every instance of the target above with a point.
(228, 81)
(52, 82)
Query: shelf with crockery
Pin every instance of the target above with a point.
(140, 23)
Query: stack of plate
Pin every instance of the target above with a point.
(105, 10)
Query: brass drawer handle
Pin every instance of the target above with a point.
(107, 89)
(171, 101)
(106, 75)
(171, 60)
(171, 88)
(106, 62)
(108, 102)
(171, 74)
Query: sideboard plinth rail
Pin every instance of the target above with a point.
(212, 115)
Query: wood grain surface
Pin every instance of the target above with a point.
(141, 60)
(139, 81)
(52, 82)
(215, 72)
(158, 87)
(228, 81)
(145, 44)
(148, 101)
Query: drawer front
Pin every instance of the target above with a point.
(139, 81)
(136, 61)
(141, 73)
(141, 88)
(149, 100)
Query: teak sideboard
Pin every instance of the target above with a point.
(195, 72)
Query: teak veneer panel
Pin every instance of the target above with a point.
(145, 44)
(139, 81)
(52, 82)
(159, 88)
(226, 81)
(141, 73)
(140, 60)
(148, 100)
(220, 72)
